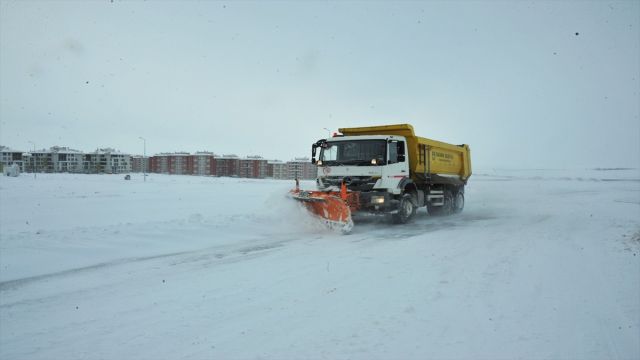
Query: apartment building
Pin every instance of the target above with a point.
(277, 169)
(106, 160)
(208, 164)
(10, 156)
(139, 163)
(40, 161)
(203, 163)
(64, 159)
(179, 163)
(253, 167)
(301, 168)
(227, 165)
(159, 163)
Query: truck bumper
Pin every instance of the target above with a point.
(378, 203)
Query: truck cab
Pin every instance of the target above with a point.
(374, 166)
(364, 163)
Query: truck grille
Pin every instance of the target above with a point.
(354, 183)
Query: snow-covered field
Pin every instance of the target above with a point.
(541, 264)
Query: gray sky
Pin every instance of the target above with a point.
(526, 84)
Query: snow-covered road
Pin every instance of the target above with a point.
(541, 264)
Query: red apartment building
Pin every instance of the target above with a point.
(203, 163)
(253, 167)
(171, 163)
(227, 165)
(139, 163)
(209, 164)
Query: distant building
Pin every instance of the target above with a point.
(64, 159)
(276, 169)
(10, 156)
(139, 163)
(301, 168)
(227, 165)
(179, 164)
(253, 167)
(41, 161)
(203, 163)
(59, 159)
(159, 163)
(107, 160)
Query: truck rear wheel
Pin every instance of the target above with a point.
(445, 209)
(458, 202)
(406, 210)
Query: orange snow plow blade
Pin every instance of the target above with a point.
(328, 206)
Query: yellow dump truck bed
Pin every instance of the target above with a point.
(426, 157)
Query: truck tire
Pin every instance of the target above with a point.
(458, 202)
(445, 209)
(406, 210)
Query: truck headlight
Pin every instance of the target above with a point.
(377, 199)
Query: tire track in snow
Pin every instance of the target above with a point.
(16, 283)
(235, 252)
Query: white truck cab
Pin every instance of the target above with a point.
(376, 166)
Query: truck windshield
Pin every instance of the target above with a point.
(356, 152)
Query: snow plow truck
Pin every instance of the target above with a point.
(384, 170)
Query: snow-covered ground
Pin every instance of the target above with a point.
(541, 264)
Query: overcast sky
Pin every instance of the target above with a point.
(526, 84)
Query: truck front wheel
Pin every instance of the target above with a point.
(406, 210)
